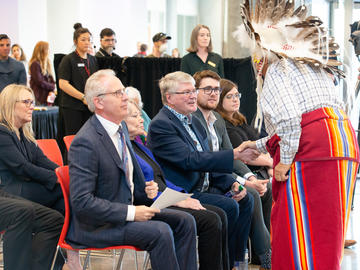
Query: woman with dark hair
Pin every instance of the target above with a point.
(238, 128)
(74, 69)
(201, 56)
(41, 80)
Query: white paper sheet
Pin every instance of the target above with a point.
(169, 197)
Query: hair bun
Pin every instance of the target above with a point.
(77, 26)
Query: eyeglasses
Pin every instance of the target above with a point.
(187, 93)
(118, 93)
(233, 96)
(27, 102)
(110, 40)
(209, 90)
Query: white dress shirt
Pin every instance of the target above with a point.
(112, 130)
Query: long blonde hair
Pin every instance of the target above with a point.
(41, 54)
(8, 98)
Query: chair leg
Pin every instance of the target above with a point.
(55, 256)
(87, 258)
(135, 259)
(146, 261)
(121, 256)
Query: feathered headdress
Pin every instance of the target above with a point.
(274, 28)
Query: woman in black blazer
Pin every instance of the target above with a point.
(24, 170)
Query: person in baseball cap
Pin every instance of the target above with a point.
(160, 45)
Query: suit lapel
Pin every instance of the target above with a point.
(107, 142)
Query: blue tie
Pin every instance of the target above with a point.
(123, 151)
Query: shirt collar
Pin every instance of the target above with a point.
(183, 118)
(212, 118)
(110, 127)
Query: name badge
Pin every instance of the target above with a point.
(81, 65)
(211, 64)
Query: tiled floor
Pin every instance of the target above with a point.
(351, 261)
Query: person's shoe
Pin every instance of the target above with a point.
(349, 243)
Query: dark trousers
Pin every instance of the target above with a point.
(31, 233)
(74, 120)
(239, 219)
(211, 225)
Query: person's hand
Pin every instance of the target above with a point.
(246, 155)
(270, 172)
(280, 171)
(190, 203)
(247, 144)
(151, 189)
(144, 213)
(259, 185)
(240, 196)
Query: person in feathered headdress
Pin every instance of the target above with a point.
(311, 139)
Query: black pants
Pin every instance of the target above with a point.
(211, 225)
(31, 233)
(74, 120)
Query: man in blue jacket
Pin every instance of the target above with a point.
(179, 143)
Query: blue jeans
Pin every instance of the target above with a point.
(239, 219)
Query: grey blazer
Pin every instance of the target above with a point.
(224, 142)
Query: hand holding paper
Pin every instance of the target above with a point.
(169, 197)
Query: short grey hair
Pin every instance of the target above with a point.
(95, 86)
(170, 83)
(134, 94)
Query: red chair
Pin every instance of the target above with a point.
(64, 180)
(68, 140)
(51, 150)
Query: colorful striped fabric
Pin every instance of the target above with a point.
(311, 210)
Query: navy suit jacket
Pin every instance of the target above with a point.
(99, 191)
(18, 169)
(177, 155)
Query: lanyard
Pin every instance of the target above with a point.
(86, 63)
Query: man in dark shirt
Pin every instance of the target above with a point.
(107, 43)
(11, 71)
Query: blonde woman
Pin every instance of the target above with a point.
(24, 170)
(41, 76)
(201, 56)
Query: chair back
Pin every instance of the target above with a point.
(64, 180)
(67, 140)
(51, 149)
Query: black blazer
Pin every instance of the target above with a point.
(17, 168)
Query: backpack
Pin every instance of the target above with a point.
(355, 37)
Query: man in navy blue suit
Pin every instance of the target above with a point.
(179, 143)
(108, 193)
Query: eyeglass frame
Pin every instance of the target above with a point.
(187, 93)
(110, 40)
(27, 102)
(216, 90)
(231, 96)
(117, 93)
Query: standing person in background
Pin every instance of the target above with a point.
(200, 56)
(107, 43)
(41, 80)
(18, 54)
(75, 68)
(160, 45)
(142, 51)
(175, 53)
(11, 71)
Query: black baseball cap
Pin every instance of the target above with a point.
(160, 36)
